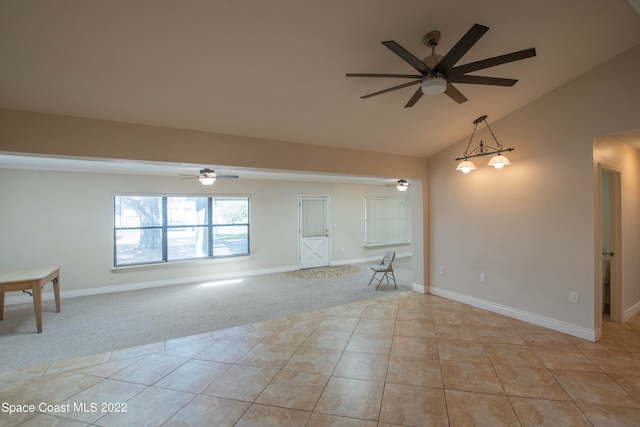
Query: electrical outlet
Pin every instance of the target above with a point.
(483, 278)
(573, 297)
(442, 269)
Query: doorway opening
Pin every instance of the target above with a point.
(610, 213)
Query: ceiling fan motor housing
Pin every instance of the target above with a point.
(432, 38)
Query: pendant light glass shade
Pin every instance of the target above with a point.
(466, 166)
(499, 161)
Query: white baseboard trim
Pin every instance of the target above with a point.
(631, 311)
(47, 296)
(151, 284)
(536, 319)
(418, 288)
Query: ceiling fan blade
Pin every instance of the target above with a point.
(458, 51)
(481, 80)
(391, 89)
(226, 176)
(455, 94)
(492, 62)
(398, 76)
(407, 56)
(416, 96)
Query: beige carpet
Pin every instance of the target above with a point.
(100, 323)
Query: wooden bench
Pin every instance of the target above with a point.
(32, 280)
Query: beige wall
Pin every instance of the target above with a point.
(530, 226)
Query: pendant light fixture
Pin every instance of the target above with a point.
(498, 160)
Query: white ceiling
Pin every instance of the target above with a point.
(276, 69)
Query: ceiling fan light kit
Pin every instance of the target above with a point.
(498, 160)
(438, 73)
(208, 176)
(434, 84)
(402, 185)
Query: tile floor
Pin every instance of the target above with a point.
(407, 359)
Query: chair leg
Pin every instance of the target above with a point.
(372, 277)
(393, 276)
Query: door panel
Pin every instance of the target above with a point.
(314, 231)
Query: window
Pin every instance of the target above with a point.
(156, 229)
(386, 220)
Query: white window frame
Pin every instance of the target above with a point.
(211, 226)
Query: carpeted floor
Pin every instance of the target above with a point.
(95, 324)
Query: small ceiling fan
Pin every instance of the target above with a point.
(401, 185)
(208, 176)
(437, 72)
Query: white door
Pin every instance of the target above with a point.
(313, 231)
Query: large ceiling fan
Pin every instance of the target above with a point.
(208, 176)
(437, 72)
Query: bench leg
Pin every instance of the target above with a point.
(1, 305)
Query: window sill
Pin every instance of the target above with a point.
(382, 245)
(179, 264)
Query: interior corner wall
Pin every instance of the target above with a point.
(622, 158)
(530, 226)
(66, 219)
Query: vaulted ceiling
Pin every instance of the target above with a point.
(276, 69)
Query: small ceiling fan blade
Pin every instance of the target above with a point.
(416, 96)
(492, 62)
(455, 94)
(407, 57)
(226, 176)
(188, 177)
(391, 89)
(398, 76)
(460, 49)
(482, 80)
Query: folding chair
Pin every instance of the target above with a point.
(385, 268)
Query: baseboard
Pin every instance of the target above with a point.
(631, 311)
(536, 319)
(418, 288)
(46, 296)
(145, 285)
